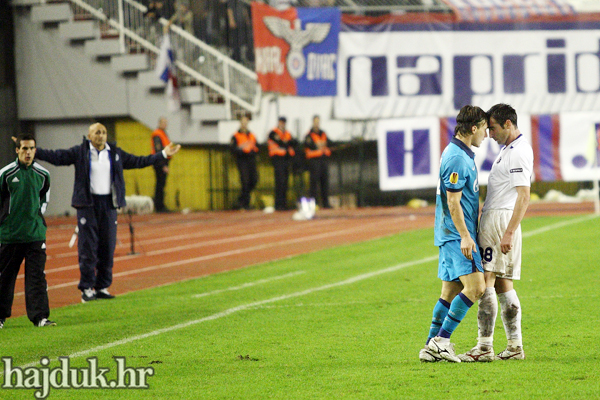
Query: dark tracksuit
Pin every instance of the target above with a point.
(245, 159)
(316, 149)
(24, 192)
(281, 150)
(96, 214)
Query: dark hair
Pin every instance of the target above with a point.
(467, 117)
(503, 112)
(284, 119)
(23, 136)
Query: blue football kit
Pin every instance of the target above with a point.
(458, 173)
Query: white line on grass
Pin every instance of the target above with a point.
(558, 225)
(243, 307)
(255, 304)
(249, 284)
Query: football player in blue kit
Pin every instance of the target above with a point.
(456, 218)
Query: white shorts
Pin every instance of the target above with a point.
(492, 226)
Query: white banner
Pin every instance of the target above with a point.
(544, 68)
(409, 151)
(578, 146)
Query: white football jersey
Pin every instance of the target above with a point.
(513, 167)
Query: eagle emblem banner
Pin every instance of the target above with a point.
(296, 49)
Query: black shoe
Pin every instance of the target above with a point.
(2, 323)
(87, 295)
(45, 322)
(103, 294)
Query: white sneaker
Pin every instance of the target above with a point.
(512, 353)
(45, 322)
(444, 350)
(478, 354)
(426, 355)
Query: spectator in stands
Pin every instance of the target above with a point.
(199, 10)
(183, 17)
(155, 11)
(239, 30)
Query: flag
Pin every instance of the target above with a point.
(165, 70)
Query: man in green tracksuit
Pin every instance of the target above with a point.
(24, 193)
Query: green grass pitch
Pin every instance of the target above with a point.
(347, 322)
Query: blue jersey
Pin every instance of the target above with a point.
(458, 173)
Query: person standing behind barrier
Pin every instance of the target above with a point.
(24, 193)
(243, 147)
(316, 149)
(281, 150)
(160, 141)
(98, 191)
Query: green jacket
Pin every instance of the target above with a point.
(24, 194)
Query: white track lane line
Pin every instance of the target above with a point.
(250, 284)
(218, 255)
(249, 236)
(255, 304)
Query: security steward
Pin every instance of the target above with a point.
(317, 152)
(98, 191)
(243, 147)
(281, 150)
(160, 140)
(24, 194)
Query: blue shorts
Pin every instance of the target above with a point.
(452, 262)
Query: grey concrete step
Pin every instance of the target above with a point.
(79, 30)
(130, 62)
(102, 47)
(208, 112)
(191, 95)
(60, 12)
(149, 80)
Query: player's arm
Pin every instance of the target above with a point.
(467, 244)
(521, 205)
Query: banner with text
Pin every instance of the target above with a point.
(296, 49)
(565, 147)
(433, 68)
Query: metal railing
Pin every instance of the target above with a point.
(196, 61)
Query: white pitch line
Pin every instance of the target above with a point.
(242, 307)
(250, 284)
(558, 225)
(255, 304)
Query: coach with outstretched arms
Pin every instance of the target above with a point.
(98, 191)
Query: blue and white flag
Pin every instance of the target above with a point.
(165, 70)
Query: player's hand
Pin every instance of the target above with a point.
(467, 247)
(14, 139)
(506, 242)
(172, 148)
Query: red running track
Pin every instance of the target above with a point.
(176, 247)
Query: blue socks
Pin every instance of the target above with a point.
(458, 309)
(439, 314)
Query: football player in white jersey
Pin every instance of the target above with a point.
(500, 236)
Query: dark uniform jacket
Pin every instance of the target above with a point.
(80, 157)
(24, 193)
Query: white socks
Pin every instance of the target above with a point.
(486, 317)
(511, 317)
